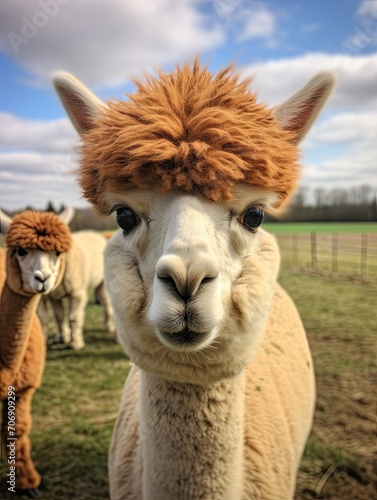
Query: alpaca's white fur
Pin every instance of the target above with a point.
(84, 270)
(223, 414)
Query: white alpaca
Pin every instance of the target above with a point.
(84, 270)
(219, 403)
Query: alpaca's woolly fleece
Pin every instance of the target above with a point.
(43, 230)
(84, 270)
(188, 130)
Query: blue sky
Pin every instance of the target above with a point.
(105, 43)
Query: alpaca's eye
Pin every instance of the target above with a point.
(126, 219)
(21, 252)
(252, 218)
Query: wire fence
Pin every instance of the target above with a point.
(348, 254)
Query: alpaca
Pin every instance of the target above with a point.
(22, 355)
(84, 269)
(219, 402)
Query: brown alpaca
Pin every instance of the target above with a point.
(219, 402)
(22, 353)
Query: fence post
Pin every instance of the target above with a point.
(334, 252)
(313, 251)
(364, 255)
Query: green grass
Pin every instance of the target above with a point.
(340, 321)
(331, 308)
(75, 408)
(320, 227)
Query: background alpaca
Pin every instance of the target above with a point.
(22, 354)
(220, 402)
(84, 270)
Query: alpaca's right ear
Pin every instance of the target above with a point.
(5, 222)
(67, 215)
(81, 105)
(298, 113)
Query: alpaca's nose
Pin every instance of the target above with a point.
(187, 276)
(41, 276)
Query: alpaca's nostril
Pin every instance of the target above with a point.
(208, 279)
(186, 286)
(173, 280)
(168, 280)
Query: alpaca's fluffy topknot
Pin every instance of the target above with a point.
(188, 130)
(43, 230)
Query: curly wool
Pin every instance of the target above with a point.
(43, 230)
(188, 130)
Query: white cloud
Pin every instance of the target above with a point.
(359, 128)
(37, 162)
(276, 80)
(33, 178)
(337, 172)
(36, 135)
(103, 43)
(367, 7)
(344, 149)
(259, 22)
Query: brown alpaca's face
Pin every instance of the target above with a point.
(39, 269)
(190, 281)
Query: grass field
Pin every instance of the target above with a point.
(320, 227)
(74, 410)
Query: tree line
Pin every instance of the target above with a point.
(358, 203)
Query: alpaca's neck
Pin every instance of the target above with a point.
(16, 316)
(192, 439)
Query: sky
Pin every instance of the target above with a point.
(281, 44)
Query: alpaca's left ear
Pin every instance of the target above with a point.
(299, 112)
(5, 222)
(82, 106)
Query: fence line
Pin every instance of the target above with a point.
(351, 254)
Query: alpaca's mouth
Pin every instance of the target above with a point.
(183, 338)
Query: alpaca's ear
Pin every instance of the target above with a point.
(5, 222)
(67, 215)
(81, 105)
(299, 112)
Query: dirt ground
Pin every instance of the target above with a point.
(343, 465)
